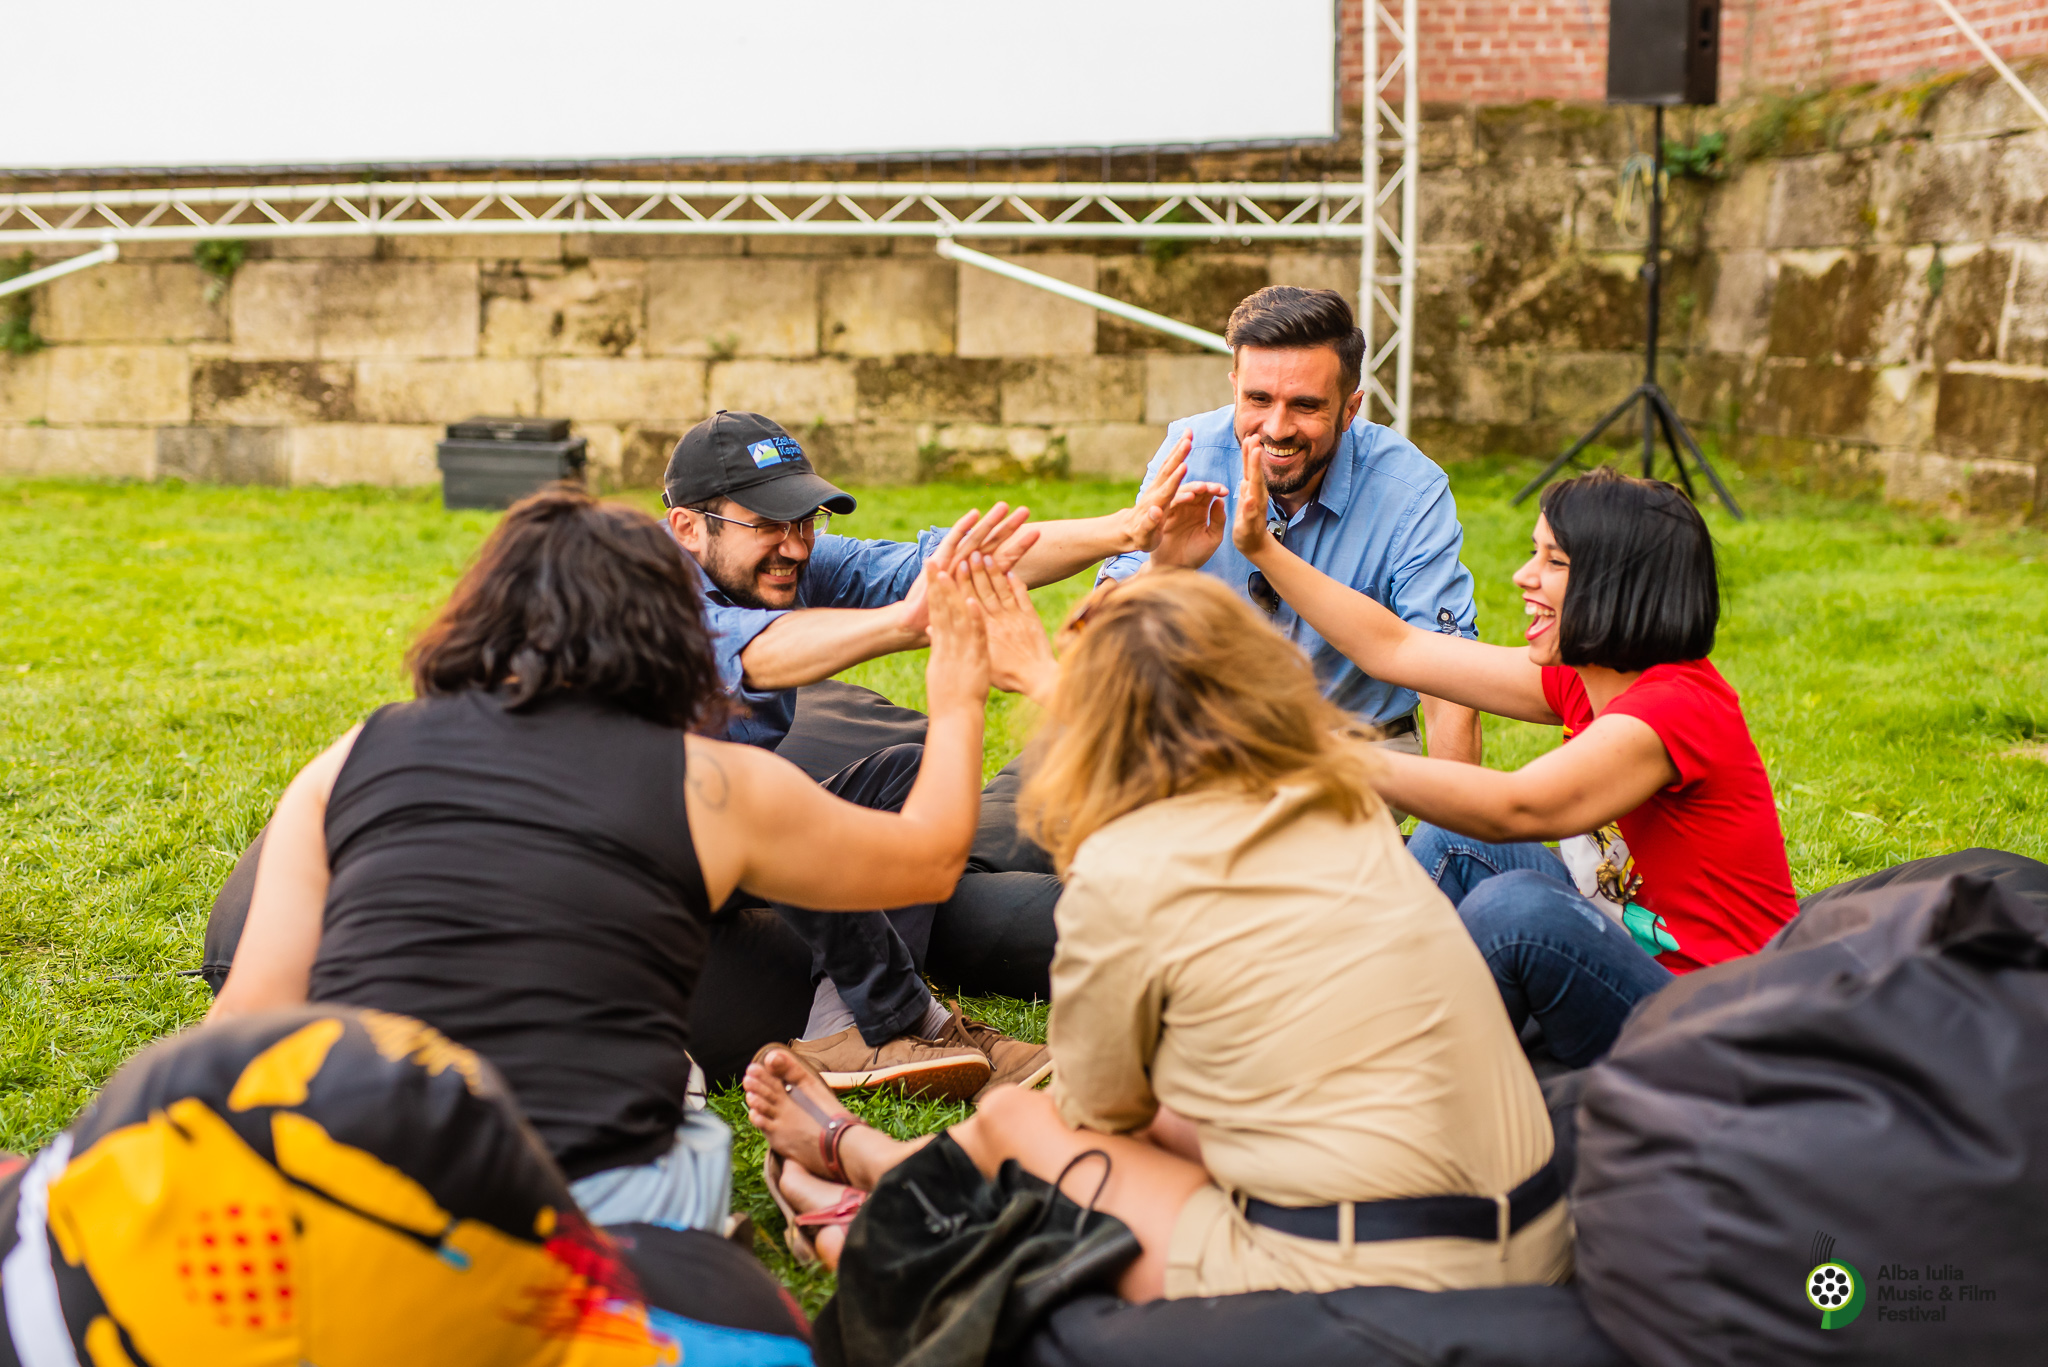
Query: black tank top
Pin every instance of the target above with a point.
(526, 884)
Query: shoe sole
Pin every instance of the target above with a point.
(1035, 1079)
(956, 1078)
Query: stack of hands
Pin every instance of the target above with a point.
(977, 613)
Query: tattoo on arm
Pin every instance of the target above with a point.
(708, 781)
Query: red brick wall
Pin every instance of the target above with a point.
(1505, 51)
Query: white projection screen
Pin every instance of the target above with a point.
(145, 84)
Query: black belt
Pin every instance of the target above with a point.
(1415, 1217)
(1403, 725)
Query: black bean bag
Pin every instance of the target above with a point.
(2025, 878)
(1366, 1326)
(1836, 1149)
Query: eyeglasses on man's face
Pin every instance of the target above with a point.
(775, 533)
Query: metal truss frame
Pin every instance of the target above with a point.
(1246, 211)
(1388, 319)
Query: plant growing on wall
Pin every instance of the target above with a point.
(17, 322)
(220, 260)
(1700, 160)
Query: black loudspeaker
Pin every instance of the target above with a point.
(1663, 51)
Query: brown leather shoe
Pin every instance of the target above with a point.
(1011, 1061)
(915, 1067)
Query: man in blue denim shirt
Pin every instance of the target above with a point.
(789, 606)
(1354, 499)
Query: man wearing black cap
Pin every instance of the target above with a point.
(790, 605)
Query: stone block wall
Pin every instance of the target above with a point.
(1858, 294)
(325, 362)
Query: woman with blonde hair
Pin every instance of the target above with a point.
(1263, 1011)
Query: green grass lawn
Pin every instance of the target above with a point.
(170, 655)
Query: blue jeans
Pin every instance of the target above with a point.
(689, 1187)
(1460, 863)
(1554, 955)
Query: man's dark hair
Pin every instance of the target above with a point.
(1643, 588)
(1287, 317)
(570, 595)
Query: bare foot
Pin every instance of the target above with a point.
(806, 1193)
(792, 1130)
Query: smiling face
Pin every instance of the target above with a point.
(753, 572)
(1294, 400)
(1542, 582)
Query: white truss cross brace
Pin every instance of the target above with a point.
(1247, 211)
(1389, 253)
(1201, 337)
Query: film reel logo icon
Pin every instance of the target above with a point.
(1836, 1290)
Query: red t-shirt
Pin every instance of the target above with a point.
(1708, 847)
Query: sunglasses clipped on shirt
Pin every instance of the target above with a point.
(1255, 586)
(775, 533)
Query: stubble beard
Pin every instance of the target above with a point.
(741, 591)
(1301, 479)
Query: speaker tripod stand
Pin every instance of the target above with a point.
(1659, 414)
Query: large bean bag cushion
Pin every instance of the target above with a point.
(1367, 1326)
(1835, 1150)
(316, 1185)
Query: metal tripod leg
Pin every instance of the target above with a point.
(1672, 420)
(1592, 434)
(1658, 411)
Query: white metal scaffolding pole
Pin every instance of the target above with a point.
(110, 252)
(1388, 319)
(1173, 327)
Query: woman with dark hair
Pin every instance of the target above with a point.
(1660, 799)
(527, 855)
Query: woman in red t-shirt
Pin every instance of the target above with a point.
(1684, 865)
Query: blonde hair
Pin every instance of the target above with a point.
(1172, 684)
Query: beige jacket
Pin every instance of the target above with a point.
(1296, 986)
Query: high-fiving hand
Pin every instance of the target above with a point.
(957, 673)
(1178, 520)
(999, 534)
(1020, 656)
(1248, 531)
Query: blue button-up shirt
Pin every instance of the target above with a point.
(1383, 522)
(841, 573)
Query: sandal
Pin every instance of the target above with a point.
(832, 1128)
(795, 1226)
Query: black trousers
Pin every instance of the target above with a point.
(994, 934)
(874, 958)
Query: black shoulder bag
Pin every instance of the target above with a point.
(945, 1268)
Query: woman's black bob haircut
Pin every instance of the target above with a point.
(570, 595)
(1643, 588)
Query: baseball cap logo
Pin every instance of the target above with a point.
(774, 450)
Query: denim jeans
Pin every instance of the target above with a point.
(1555, 956)
(689, 1187)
